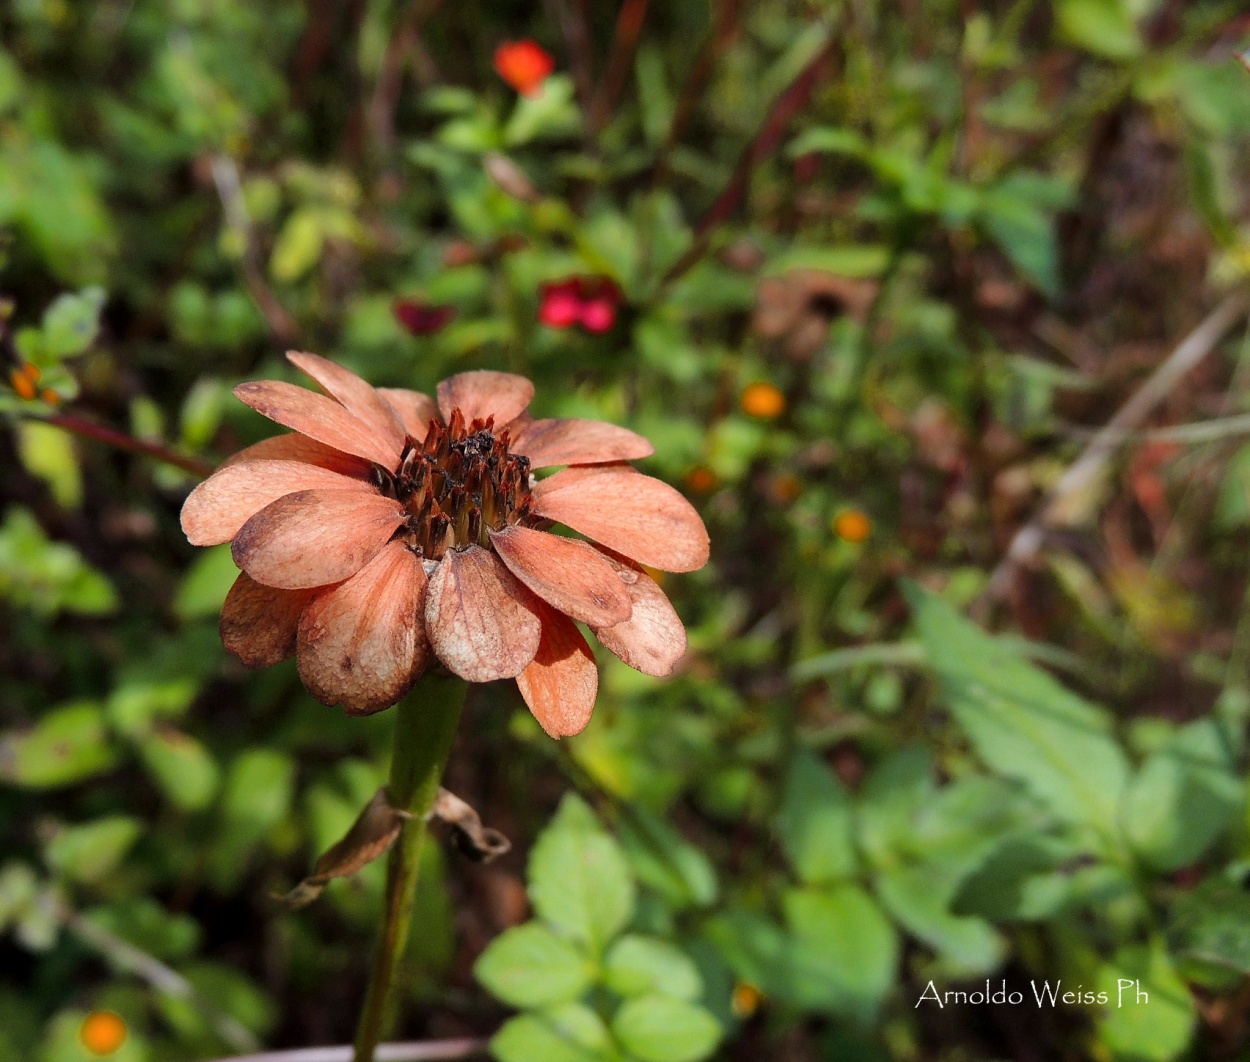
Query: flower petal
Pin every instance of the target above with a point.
(577, 442)
(480, 620)
(357, 397)
(646, 520)
(415, 410)
(483, 394)
(362, 644)
(315, 537)
(573, 576)
(561, 683)
(231, 496)
(258, 623)
(319, 418)
(653, 639)
(297, 447)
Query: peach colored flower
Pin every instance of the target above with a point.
(391, 530)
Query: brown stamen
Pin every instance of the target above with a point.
(458, 485)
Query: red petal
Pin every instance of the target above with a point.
(480, 620)
(358, 397)
(315, 537)
(653, 639)
(297, 447)
(319, 418)
(231, 496)
(577, 442)
(362, 644)
(258, 623)
(560, 684)
(573, 576)
(646, 520)
(483, 394)
(415, 410)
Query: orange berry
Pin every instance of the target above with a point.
(763, 400)
(50, 396)
(23, 383)
(701, 479)
(745, 1000)
(851, 525)
(102, 1032)
(786, 488)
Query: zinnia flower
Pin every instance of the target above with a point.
(391, 531)
(591, 302)
(524, 65)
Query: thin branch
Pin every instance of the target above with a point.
(1195, 346)
(125, 956)
(119, 439)
(414, 1051)
(789, 103)
(405, 42)
(1198, 432)
(574, 26)
(230, 192)
(620, 60)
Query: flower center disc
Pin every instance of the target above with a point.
(458, 485)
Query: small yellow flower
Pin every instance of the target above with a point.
(763, 400)
(852, 525)
(102, 1032)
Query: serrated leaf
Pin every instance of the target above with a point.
(815, 822)
(529, 966)
(664, 1029)
(636, 965)
(1023, 723)
(570, 1033)
(579, 880)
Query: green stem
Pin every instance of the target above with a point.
(425, 725)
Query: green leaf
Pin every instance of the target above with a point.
(257, 792)
(48, 453)
(665, 861)
(847, 260)
(181, 766)
(137, 704)
(654, 97)
(67, 745)
(72, 322)
(1155, 1025)
(815, 824)
(1018, 882)
(1104, 27)
(48, 577)
(203, 589)
(551, 111)
(1211, 925)
(529, 966)
(843, 950)
(1184, 797)
(636, 965)
(664, 1029)
(298, 246)
(579, 880)
(90, 852)
(570, 1033)
(1022, 723)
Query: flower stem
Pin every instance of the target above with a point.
(424, 728)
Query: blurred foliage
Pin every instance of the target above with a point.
(861, 345)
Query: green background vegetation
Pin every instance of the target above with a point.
(981, 226)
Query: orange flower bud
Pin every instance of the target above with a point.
(102, 1032)
(23, 381)
(50, 396)
(524, 65)
(745, 1000)
(763, 400)
(852, 525)
(701, 479)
